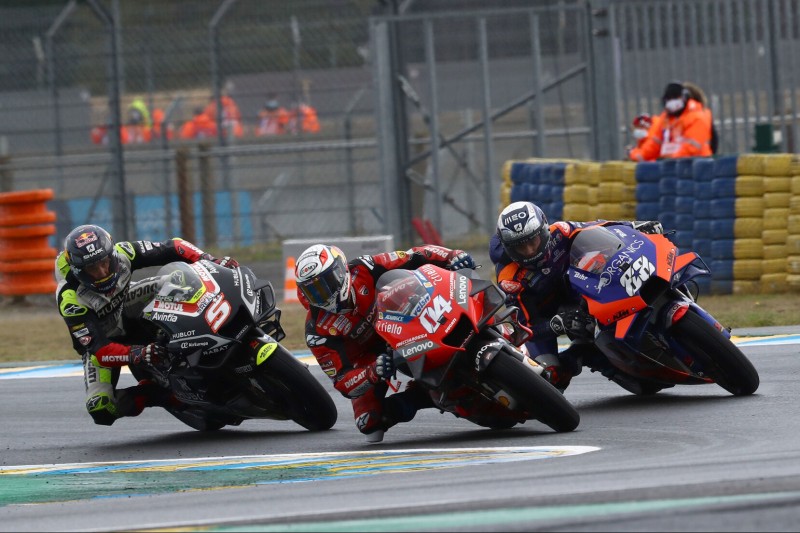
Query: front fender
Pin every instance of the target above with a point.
(487, 349)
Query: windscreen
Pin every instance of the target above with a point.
(401, 293)
(592, 248)
(179, 283)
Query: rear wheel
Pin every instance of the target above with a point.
(300, 396)
(534, 393)
(723, 361)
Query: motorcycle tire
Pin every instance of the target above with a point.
(724, 362)
(301, 395)
(534, 393)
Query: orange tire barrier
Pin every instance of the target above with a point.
(22, 208)
(26, 257)
(27, 277)
(289, 283)
(24, 243)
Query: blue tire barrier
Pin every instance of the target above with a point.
(702, 189)
(666, 204)
(667, 219)
(722, 249)
(684, 187)
(723, 208)
(648, 172)
(517, 193)
(722, 268)
(684, 222)
(702, 209)
(702, 247)
(546, 193)
(668, 185)
(684, 204)
(703, 170)
(704, 284)
(519, 173)
(684, 239)
(725, 166)
(702, 229)
(724, 187)
(647, 192)
(721, 286)
(558, 209)
(724, 228)
(647, 210)
(684, 168)
(558, 173)
(668, 167)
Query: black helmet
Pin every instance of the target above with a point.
(87, 248)
(524, 234)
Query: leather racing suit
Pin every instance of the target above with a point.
(104, 325)
(541, 294)
(346, 345)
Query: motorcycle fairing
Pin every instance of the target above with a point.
(632, 336)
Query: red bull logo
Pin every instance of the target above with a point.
(85, 238)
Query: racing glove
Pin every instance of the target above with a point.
(575, 324)
(152, 354)
(460, 259)
(226, 261)
(648, 226)
(382, 368)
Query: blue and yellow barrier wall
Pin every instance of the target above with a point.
(741, 213)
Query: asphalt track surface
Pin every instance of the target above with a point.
(691, 458)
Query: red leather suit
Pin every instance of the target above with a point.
(346, 345)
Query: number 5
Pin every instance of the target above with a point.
(217, 313)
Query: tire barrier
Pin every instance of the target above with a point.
(26, 258)
(741, 213)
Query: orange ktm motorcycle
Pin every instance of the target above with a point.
(650, 328)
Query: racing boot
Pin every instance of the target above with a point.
(132, 400)
(558, 374)
(403, 406)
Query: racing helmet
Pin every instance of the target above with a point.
(89, 251)
(322, 276)
(524, 233)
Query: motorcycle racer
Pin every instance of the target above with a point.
(531, 259)
(101, 305)
(340, 299)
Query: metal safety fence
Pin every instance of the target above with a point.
(246, 121)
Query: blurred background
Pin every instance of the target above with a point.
(240, 122)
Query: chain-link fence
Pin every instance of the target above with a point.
(354, 117)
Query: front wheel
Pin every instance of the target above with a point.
(533, 392)
(723, 361)
(301, 396)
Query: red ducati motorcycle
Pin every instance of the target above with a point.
(448, 332)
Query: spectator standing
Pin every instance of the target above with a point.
(683, 129)
(303, 119)
(273, 119)
(231, 116)
(201, 126)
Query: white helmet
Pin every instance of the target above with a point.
(323, 277)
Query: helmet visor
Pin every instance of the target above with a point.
(100, 270)
(324, 290)
(528, 247)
